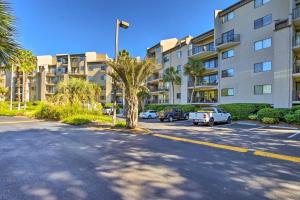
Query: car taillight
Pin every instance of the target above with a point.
(204, 115)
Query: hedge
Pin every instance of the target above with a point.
(240, 111)
(269, 113)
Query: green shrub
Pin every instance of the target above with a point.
(295, 108)
(160, 107)
(269, 113)
(241, 111)
(120, 124)
(252, 117)
(269, 120)
(290, 118)
(77, 120)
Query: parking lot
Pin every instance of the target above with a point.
(246, 135)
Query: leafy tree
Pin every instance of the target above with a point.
(76, 92)
(172, 76)
(8, 45)
(194, 69)
(3, 92)
(133, 73)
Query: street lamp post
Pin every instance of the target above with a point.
(124, 25)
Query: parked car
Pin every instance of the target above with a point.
(171, 114)
(108, 110)
(148, 114)
(210, 116)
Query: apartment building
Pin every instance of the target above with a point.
(252, 55)
(53, 69)
(41, 84)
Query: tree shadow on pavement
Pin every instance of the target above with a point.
(65, 162)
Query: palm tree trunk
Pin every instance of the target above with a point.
(18, 87)
(132, 105)
(173, 92)
(193, 90)
(25, 89)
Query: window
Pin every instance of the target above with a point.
(263, 44)
(228, 36)
(264, 21)
(179, 54)
(178, 95)
(102, 77)
(178, 69)
(228, 17)
(262, 89)
(228, 54)
(211, 63)
(210, 79)
(263, 66)
(227, 73)
(158, 61)
(227, 92)
(166, 59)
(103, 67)
(259, 3)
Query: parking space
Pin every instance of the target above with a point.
(250, 136)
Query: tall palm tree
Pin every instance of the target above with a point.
(8, 45)
(132, 72)
(172, 76)
(26, 63)
(194, 69)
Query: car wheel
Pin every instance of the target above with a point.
(211, 122)
(186, 117)
(170, 118)
(162, 120)
(229, 120)
(195, 123)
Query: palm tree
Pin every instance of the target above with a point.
(132, 72)
(8, 46)
(26, 63)
(194, 69)
(142, 96)
(76, 92)
(172, 76)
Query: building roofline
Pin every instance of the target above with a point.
(203, 35)
(233, 7)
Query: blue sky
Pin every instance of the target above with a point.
(76, 26)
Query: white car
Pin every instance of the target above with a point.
(149, 114)
(210, 116)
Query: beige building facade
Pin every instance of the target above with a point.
(50, 70)
(252, 56)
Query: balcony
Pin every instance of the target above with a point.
(296, 16)
(296, 97)
(296, 43)
(155, 78)
(210, 85)
(201, 52)
(163, 89)
(296, 70)
(203, 100)
(227, 42)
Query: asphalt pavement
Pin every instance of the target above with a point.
(52, 161)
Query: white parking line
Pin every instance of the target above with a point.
(252, 129)
(291, 136)
(284, 127)
(246, 123)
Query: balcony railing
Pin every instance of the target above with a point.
(296, 68)
(203, 100)
(296, 95)
(201, 49)
(162, 89)
(191, 84)
(228, 39)
(296, 41)
(296, 13)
